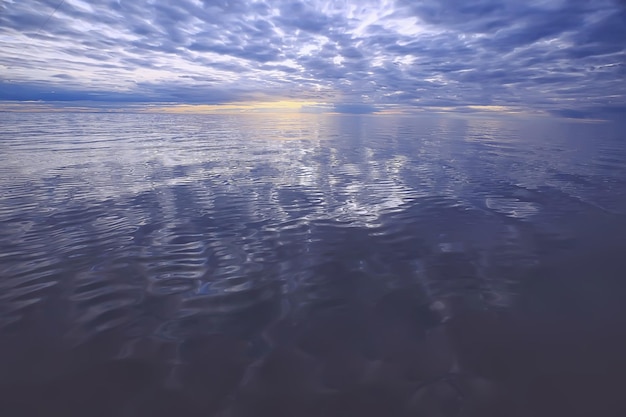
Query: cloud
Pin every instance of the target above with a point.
(563, 57)
(354, 108)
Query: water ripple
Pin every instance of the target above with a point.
(170, 226)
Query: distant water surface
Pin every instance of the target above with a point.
(144, 230)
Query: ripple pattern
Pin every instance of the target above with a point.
(164, 227)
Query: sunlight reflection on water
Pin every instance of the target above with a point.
(168, 226)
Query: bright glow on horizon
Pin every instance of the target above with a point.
(282, 106)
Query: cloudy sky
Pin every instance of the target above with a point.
(563, 57)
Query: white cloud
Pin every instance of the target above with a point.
(452, 52)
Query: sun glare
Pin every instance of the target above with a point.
(283, 106)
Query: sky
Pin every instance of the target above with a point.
(561, 57)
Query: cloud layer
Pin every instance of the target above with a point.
(567, 57)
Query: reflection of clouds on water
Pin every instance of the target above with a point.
(512, 207)
(186, 221)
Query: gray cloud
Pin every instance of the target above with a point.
(565, 57)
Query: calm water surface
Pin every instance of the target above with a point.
(131, 237)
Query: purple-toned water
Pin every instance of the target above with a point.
(252, 265)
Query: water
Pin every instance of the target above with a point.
(129, 237)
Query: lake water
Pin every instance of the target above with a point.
(166, 243)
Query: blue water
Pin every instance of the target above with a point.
(127, 235)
